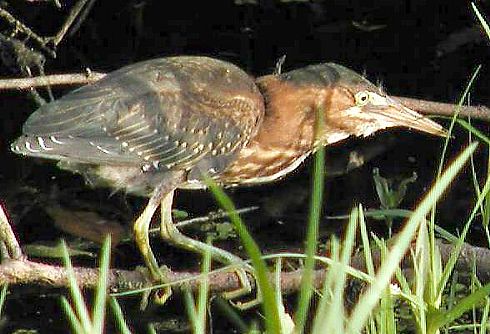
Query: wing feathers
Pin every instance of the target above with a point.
(166, 112)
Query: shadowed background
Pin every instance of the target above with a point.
(413, 48)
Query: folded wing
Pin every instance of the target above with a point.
(172, 113)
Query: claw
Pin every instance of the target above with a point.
(161, 295)
(243, 275)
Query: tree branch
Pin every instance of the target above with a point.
(50, 80)
(422, 106)
(22, 271)
(444, 109)
(17, 269)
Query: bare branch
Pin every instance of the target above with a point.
(28, 272)
(445, 109)
(8, 238)
(422, 106)
(50, 80)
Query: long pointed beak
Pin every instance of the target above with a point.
(399, 115)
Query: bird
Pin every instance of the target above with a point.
(164, 124)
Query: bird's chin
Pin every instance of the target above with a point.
(367, 131)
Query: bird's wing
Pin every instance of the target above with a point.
(168, 112)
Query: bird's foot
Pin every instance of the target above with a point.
(159, 295)
(246, 276)
(163, 294)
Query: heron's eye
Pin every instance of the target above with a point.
(362, 98)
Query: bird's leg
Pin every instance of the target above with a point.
(141, 227)
(171, 234)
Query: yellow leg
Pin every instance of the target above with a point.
(141, 227)
(172, 235)
(163, 195)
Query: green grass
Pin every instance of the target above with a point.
(306, 290)
(375, 311)
(83, 321)
(269, 306)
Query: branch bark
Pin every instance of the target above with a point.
(423, 106)
(444, 109)
(50, 80)
(16, 269)
(22, 271)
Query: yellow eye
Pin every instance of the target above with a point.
(362, 98)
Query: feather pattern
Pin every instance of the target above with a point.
(165, 114)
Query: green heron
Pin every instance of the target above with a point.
(159, 125)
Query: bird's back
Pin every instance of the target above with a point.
(178, 113)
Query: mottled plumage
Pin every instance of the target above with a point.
(134, 125)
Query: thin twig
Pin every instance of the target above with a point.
(75, 10)
(211, 216)
(55, 2)
(81, 18)
(220, 214)
(50, 80)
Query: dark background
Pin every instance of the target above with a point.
(425, 49)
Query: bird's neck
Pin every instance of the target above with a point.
(285, 137)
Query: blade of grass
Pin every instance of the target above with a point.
(190, 307)
(99, 308)
(76, 325)
(480, 135)
(306, 289)
(460, 242)
(335, 311)
(455, 119)
(320, 323)
(287, 325)
(203, 294)
(269, 308)
(387, 313)
(432, 238)
(441, 318)
(369, 299)
(277, 282)
(347, 249)
(424, 271)
(80, 308)
(3, 296)
(121, 325)
(483, 22)
(484, 317)
(231, 315)
(486, 208)
(365, 242)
